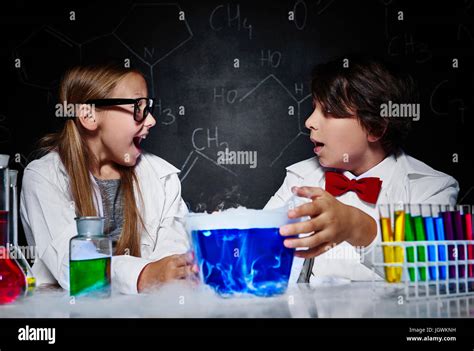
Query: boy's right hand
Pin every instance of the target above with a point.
(331, 223)
(167, 269)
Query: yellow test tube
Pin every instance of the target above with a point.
(399, 236)
(388, 252)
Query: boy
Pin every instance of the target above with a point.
(359, 164)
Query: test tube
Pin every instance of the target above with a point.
(459, 235)
(464, 232)
(436, 212)
(410, 237)
(399, 235)
(415, 210)
(449, 234)
(470, 236)
(387, 237)
(429, 227)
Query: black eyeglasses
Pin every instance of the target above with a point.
(142, 106)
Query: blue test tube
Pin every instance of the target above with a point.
(430, 236)
(439, 232)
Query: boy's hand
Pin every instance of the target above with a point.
(331, 223)
(167, 269)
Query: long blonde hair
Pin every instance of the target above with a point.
(78, 85)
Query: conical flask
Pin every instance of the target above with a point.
(12, 278)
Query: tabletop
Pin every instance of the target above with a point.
(329, 300)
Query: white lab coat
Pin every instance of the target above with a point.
(48, 213)
(404, 179)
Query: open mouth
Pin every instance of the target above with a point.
(318, 147)
(137, 140)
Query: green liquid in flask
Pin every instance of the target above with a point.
(90, 277)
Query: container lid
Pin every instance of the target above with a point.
(4, 160)
(90, 225)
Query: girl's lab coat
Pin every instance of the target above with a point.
(47, 212)
(404, 179)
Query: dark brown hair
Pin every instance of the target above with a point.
(358, 85)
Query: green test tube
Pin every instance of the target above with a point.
(419, 236)
(410, 236)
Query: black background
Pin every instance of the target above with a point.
(342, 334)
(191, 63)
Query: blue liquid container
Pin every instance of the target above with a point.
(242, 251)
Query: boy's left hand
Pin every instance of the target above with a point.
(331, 223)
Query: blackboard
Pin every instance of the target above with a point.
(236, 75)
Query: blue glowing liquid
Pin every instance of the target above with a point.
(431, 236)
(252, 261)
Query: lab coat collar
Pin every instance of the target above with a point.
(163, 171)
(145, 160)
(404, 166)
(392, 167)
(383, 170)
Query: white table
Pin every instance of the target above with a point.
(358, 300)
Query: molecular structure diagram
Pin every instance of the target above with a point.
(270, 82)
(60, 51)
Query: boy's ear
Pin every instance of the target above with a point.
(86, 116)
(372, 138)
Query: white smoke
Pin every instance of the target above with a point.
(238, 218)
(180, 299)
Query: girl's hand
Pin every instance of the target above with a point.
(331, 223)
(167, 269)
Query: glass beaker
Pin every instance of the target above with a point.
(242, 251)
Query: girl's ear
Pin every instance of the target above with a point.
(87, 117)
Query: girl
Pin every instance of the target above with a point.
(95, 167)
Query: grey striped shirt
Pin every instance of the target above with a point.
(113, 207)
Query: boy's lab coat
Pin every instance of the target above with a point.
(404, 179)
(47, 212)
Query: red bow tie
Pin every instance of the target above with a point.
(367, 189)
